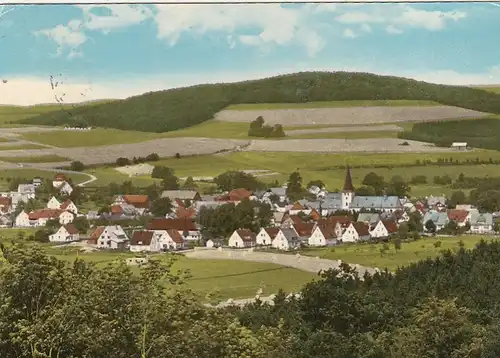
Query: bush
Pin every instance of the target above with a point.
(153, 157)
(121, 162)
(77, 166)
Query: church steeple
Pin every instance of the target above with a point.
(348, 181)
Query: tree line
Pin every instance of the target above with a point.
(258, 128)
(178, 108)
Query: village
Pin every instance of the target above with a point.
(329, 219)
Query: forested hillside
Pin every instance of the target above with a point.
(477, 133)
(183, 107)
(441, 308)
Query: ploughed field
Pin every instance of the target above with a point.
(350, 115)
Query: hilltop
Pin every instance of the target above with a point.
(179, 108)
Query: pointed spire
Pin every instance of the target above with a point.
(348, 181)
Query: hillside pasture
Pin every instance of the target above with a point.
(349, 115)
(369, 254)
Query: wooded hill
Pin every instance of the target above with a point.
(178, 108)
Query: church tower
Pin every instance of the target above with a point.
(348, 192)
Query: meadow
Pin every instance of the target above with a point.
(29, 174)
(35, 159)
(20, 147)
(369, 254)
(219, 279)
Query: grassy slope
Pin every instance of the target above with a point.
(29, 174)
(369, 254)
(317, 166)
(183, 107)
(20, 146)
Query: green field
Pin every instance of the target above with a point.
(222, 279)
(369, 254)
(111, 175)
(330, 104)
(20, 147)
(29, 174)
(35, 159)
(347, 135)
(93, 138)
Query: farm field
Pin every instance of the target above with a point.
(329, 104)
(222, 279)
(349, 115)
(111, 175)
(364, 134)
(35, 159)
(370, 255)
(20, 147)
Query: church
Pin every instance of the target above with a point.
(348, 200)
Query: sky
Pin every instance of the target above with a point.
(76, 53)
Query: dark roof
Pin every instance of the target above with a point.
(141, 238)
(71, 229)
(361, 228)
(348, 181)
(246, 235)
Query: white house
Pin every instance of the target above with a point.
(53, 203)
(22, 220)
(143, 241)
(325, 235)
(356, 231)
(65, 188)
(185, 226)
(214, 243)
(27, 190)
(59, 180)
(242, 238)
(70, 206)
(481, 223)
(286, 239)
(109, 237)
(383, 228)
(66, 233)
(266, 236)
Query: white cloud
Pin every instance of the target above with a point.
(262, 26)
(30, 90)
(65, 36)
(391, 29)
(349, 34)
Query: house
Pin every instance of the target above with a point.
(27, 190)
(109, 237)
(68, 205)
(356, 232)
(436, 202)
(304, 230)
(481, 223)
(242, 238)
(383, 228)
(440, 219)
(214, 243)
(236, 195)
(59, 180)
(460, 217)
(190, 195)
(175, 241)
(65, 188)
(142, 241)
(379, 203)
(139, 203)
(291, 220)
(53, 203)
(460, 146)
(279, 193)
(5, 221)
(66, 233)
(182, 213)
(325, 235)
(266, 236)
(5, 204)
(286, 239)
(37, 182)
(186, 227)
(40, 217)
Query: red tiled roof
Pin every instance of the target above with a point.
(246, 235)
(45, 214)
(71, 229)
(304, 229)
(458, 215)
(177, 224)
(179, 202)
(181, 212)
(344, 221)
(297, 220)
(65, 205)
(5, 201)
(60, 177)
(175, 235)
(361, 228)
(116, 209)
(328, 231)
(141, 237)
(239, 194)
(272, 231)
(138, 201)
(97, 232)
(390, 226)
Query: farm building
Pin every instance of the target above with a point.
(459, 145)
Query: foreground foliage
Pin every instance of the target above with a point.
(178, 108)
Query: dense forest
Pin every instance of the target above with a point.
(437, 308)
(183, 107)
(478, 133)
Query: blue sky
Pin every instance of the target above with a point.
(122, 50)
